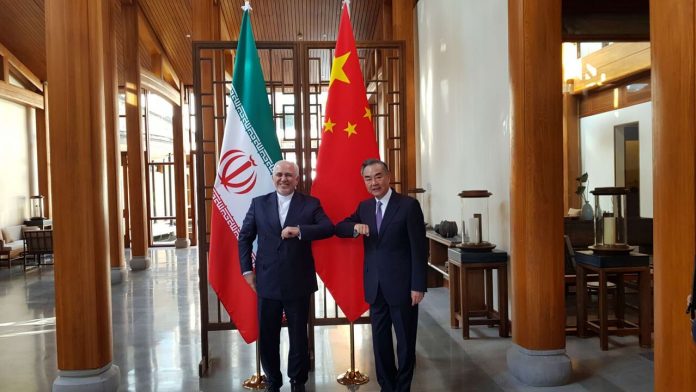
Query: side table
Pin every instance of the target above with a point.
(461, 265)
(41, 223)
(618, 265)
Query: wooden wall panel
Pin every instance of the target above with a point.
(625, 94)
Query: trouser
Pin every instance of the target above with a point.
(404, 319)
(270, 318)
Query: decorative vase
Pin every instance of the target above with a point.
(586, 213)
(447, 229)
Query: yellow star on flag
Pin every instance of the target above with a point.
(350, 129)
(328, 125)
(337, 71)
(368, 113)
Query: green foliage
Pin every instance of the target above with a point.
(580, 191)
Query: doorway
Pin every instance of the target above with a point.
(627, 164)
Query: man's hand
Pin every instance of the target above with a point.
(416, 297)
(290, 232)
(251, 280)
(361, 228)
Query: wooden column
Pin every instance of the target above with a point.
(43, 153)
(135, 140)
(192, 197)
(113, 151)
(182, 240)
(536, 194)
(206, 26)
(571, 148)
(673, 46)
(386, 17)
(402, 20)
(75, 70)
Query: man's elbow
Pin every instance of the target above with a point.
(327, 230)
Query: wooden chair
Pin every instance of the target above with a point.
(37, 244)
(570, 274)
(569, 265)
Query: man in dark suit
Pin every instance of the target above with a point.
(393, 233)
(285, 223)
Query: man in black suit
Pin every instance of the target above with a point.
(285, 223)
(393, 233)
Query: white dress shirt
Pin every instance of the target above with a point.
(385, 201)
(283, 207)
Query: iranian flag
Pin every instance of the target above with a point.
(347, 139)
(249, 150)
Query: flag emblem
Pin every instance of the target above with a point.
(240, 175)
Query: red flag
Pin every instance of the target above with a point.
(348, 138)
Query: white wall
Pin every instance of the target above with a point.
(597, 150)
(464, 108)
(16, 151)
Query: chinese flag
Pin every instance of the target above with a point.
(348, 138)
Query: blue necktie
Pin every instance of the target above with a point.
(378, 215)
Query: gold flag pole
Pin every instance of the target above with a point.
(257, 380)
(352, 376)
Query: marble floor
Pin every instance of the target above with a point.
(156, 332)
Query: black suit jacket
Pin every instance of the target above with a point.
(284, 268)
(396, 258)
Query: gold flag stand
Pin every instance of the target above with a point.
(352, 376)
(257, 380)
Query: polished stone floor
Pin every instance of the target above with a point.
(156, 331)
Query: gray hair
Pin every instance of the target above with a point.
(294, 165)
(373, 161)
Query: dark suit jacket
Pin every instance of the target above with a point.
(284, 268)
(395, 259)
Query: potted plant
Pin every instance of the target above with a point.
(586, 212)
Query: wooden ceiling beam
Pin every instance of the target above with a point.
(156, 84)
(20, 95)
(611, 63)
(154, 46)
(4, 69)
(20, 67)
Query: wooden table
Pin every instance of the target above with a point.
(461, 267)
(603, 266)
(438, 276)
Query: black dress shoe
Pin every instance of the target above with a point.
(272, 389)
